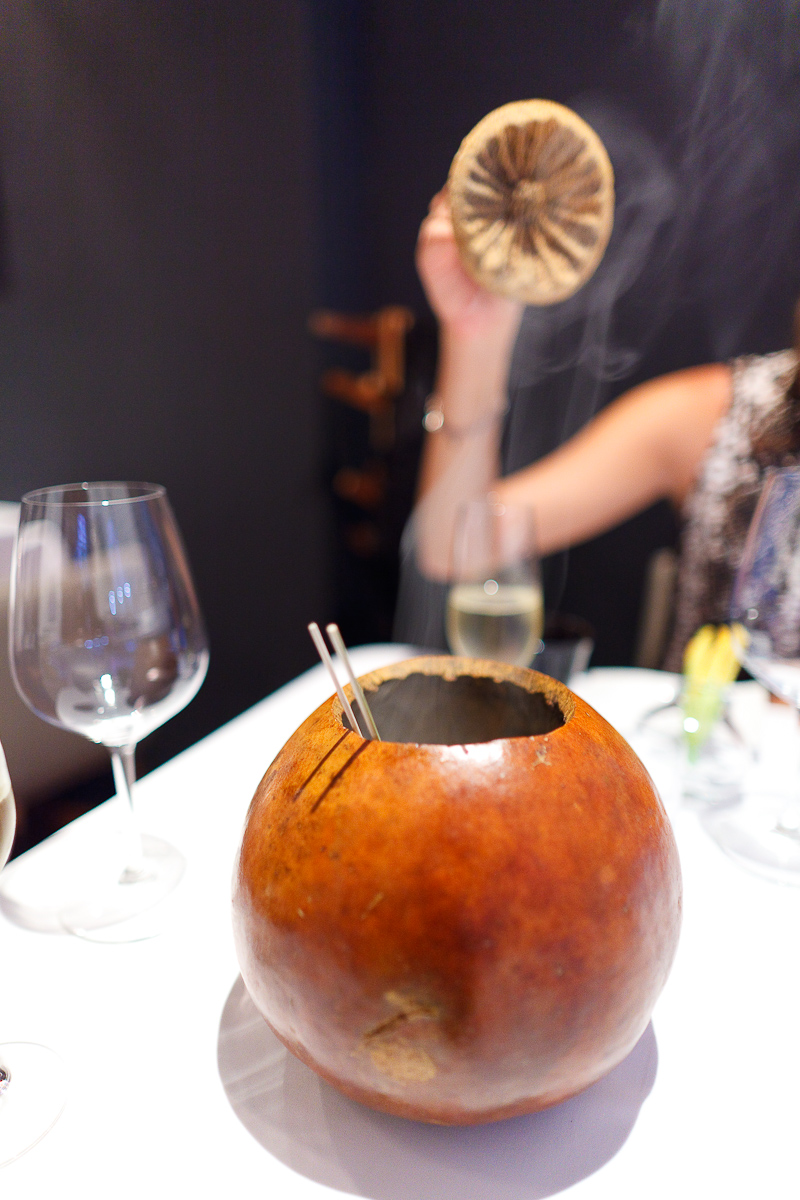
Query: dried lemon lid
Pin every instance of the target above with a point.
(532, 200)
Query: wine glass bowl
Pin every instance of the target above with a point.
(106, 634)
(762, 831)
(107, 640)
(494, 604)
(766, 596)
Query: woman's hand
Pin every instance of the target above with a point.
(477, 333)
(463, 307)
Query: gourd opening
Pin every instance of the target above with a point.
(436, 710)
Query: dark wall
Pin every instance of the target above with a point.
(160, 204)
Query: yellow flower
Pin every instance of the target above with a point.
(710, 665)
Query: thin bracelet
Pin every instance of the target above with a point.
(434, 421)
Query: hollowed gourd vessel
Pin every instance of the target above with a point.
(470, 919)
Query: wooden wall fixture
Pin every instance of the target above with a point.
(375, 393)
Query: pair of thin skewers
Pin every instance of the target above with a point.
(337, 641)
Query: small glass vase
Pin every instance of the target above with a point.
(693, 765)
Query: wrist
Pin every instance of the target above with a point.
(436, 421)
(471, 380)
(470, 337)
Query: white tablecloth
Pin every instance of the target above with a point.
(177, 1088)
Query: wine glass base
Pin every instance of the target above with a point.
(761, 833)
(129, 911)
(33, 1099)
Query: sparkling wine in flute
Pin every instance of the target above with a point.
(494, 606)
(503, 623)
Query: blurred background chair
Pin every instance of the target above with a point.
(657, 609)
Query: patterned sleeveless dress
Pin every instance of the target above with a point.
(761, 429)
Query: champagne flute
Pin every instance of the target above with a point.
(762, 831)
(32, 1090)
(494, 606)
(107, 640)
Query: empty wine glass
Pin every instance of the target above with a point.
(762, 831)
(107, 640)
(494, 605)
(32, 1085)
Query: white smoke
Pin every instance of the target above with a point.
(706, 216)
(734, 66)
(580, 334)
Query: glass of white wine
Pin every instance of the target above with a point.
(32, 1077)
(495, 608)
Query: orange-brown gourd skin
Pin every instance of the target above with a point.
(458, 934)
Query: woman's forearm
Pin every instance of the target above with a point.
(648, 445)
(477, 334)
(461, 458)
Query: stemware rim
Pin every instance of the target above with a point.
(49, 495)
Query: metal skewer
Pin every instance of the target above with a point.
(319, 642)
(340, 648)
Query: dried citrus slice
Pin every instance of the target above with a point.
(532, 198)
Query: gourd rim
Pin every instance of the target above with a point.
(451, 667)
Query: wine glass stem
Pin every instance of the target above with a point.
(124, 768)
